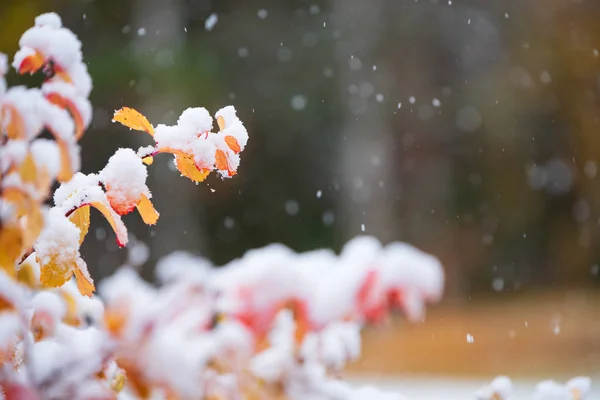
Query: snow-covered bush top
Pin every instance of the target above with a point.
(501, 389)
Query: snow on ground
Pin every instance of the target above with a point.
(447, 388)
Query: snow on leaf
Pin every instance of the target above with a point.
(32, 62)
(55, 274)
(133, 119)
(188, 168)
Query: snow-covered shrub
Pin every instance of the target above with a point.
(501, 388)
(272, 325)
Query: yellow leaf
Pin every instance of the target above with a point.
(81, 219)
(55, 275)
(148, 160)
(118, 382)
(34, 222)
(84, 281)
(26, 273)
(221, 122)
(147, 211)
(119, 230)
(11, 245)
(15, 129)
(188, 168)
(71, 317)
(28, 170)
(133, 119)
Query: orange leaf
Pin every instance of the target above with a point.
(16, 127)
(188, 168)
(66, 171)
(11, 244)
(81, 219)
(63, 102)
(114, 321)
(32, 63)
(5, 304)
(233, 144)
(147, 211)
(133, 119)
(221, 160)
(84, 281)
(117, 225)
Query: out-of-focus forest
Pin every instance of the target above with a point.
(469, 128)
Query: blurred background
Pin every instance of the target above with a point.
(469, 128)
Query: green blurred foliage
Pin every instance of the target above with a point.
(530, 70)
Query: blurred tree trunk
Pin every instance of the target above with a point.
(164, 22)
(365, 161)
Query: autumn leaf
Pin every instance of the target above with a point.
(26, 273)
(66, 170)
(5, 304)
(81, 219)
(55, 274)
(233, 144)
(15, 126)
(221, 160)
(114, 220)
(147, 211)
(84, 281)
(133, 119)
(27, 169)
(11, 243)
(34, 222)
(65, 103)
(188, 168)
(32, 63)
(221, 122)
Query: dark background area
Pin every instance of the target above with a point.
(492, 167)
